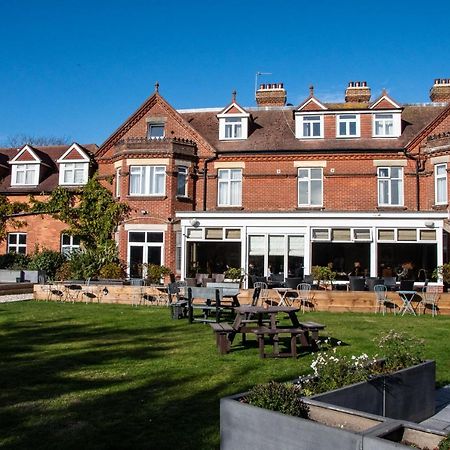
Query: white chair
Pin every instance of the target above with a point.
(381, 298)
(305, 296)
(430, 298)
(263, 294)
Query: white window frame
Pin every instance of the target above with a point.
(15, 248)
(381, 180)
(158, 125)
(184, 173)
(229, 181)
(118, 182)
(347, 119)
(385, 120)
(25, 169)
(72, 167)
(146, 244)
(147, 180)
(302, 120)
(233, 128)
(66, 249)
(308, 180)
(439, 177)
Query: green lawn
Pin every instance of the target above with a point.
(76, 376)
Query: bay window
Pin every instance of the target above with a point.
(147, 180)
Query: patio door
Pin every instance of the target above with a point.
(144, 247)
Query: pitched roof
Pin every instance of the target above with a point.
(48, 155)
(273, 129)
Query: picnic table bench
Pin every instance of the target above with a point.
(274, 333)
(223, 332)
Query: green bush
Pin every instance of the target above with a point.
(234, 273)
(112, 270)
(444, 444)
(14, 261)
(47, 260)
(156, 272)
(284, 398)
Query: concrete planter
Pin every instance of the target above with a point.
(247, 427)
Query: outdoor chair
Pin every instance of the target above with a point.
(263, 293)
(371, 282)
(305, 296)
(382, 300)
(357, 283)
(390, 283)
(292, 283)
(430, 298)
(138, 291)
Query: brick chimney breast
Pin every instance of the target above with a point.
(271, 94)
(440, 92)
(357, 92)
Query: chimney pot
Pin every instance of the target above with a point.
(440, 91)
(271, 94)
(357, 92)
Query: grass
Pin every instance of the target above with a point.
(76, 376)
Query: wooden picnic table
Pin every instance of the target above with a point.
(266, 324)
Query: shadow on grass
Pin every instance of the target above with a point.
(103, 384)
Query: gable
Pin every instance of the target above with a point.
(136, 125)
(74, 153)
(440, 126)
(311, 104)
(384, 102)
(233, 109)
(26, 155)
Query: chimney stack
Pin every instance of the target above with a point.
(357, 92)
(271, 94)
(440, 92)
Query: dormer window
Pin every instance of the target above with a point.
(25, 174)
(72, 173)
(347, 125)
(73, 167)
(386, 125)
(233, 128)
(310, 126)
(233, 122)
(156, 130)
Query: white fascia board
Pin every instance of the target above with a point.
(388, 99)
(83, 156)
(28, 149)
(307, 102)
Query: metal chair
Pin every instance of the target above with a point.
(382, 300)
(305, 296)
(430, 297)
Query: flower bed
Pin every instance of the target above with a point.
(356, 416)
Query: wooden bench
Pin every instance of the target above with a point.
(273, 333)
(312, 329)
(222, 332)
(210, 305)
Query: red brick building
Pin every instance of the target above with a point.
(281, 188)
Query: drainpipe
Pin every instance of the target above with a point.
(420, 167)
(205, 175)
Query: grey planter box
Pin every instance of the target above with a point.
(11, 276)
(406, 395)
(35, 276)
(246, 427)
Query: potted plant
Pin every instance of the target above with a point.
(156, 273)
(444, 273)
(324, 276)
(234, 274)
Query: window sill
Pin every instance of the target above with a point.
(146, 197)
(235, 208)
(348, 137)
(310, 208)
(391, 208)
(440, 207)
(184, 199)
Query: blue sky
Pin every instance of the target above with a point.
(80, 68)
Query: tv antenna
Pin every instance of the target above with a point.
(256, 79)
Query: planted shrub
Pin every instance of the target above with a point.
(156, 272)
(112, 270)
(284, 398)
(47, 260)
(14, 261)
(399, 350)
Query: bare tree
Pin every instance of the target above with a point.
(19, 140)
